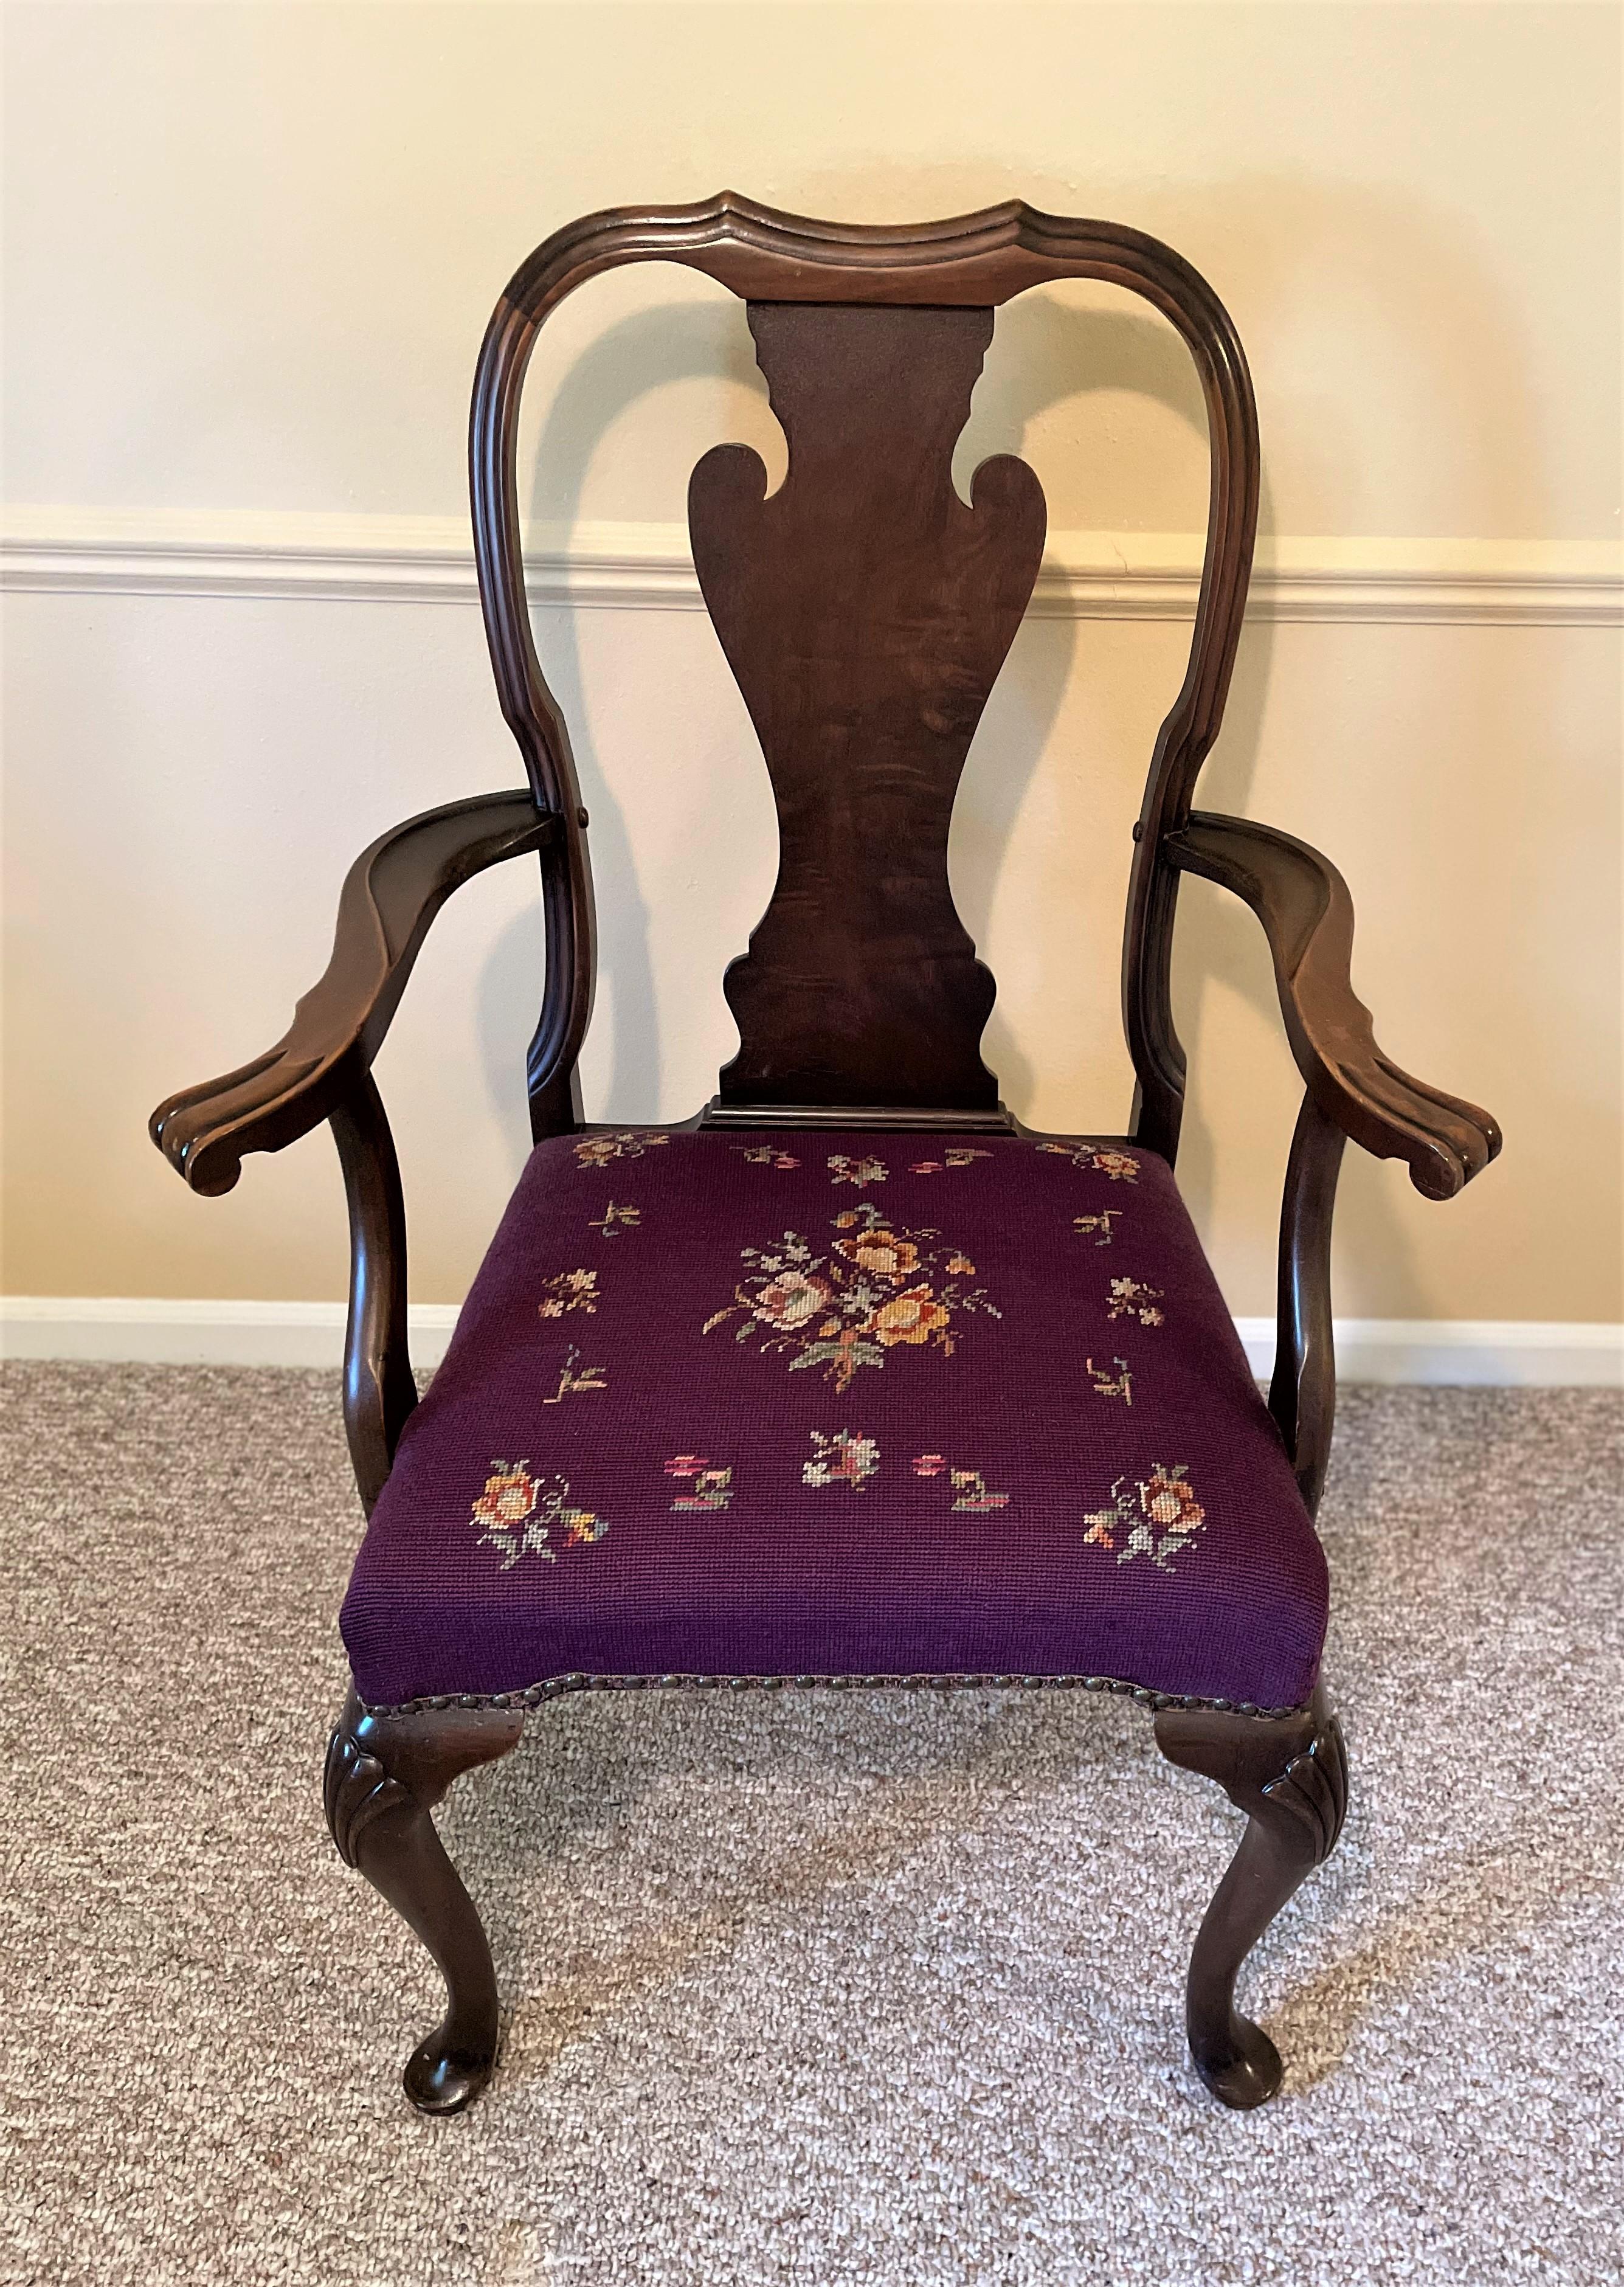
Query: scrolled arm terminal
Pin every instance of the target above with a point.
(1307, 915)
(390, 896)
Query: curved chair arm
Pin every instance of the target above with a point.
(390, 896)
(1307, 915)
(319, 1069)
(1351, 1089)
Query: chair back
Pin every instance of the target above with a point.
(865, 610)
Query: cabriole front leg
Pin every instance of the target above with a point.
(1290, 1776)
(384, 1774)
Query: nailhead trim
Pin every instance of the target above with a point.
(556, 1686)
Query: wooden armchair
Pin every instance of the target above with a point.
(850, 1378)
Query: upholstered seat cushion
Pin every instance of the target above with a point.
(816, 1404)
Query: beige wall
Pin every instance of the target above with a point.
(250, 251)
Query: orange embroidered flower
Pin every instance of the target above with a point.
(509, 1497)
(881, 1252)
(845, 1310)
(792, 1299)
(1169, 1502)
(1159, 1517)
(914, 1316)
(518, 1512)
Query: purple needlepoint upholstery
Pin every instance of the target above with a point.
(841, 1404)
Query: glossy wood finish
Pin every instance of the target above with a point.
(1290, 1777)
(1303, 1390)
(379, 1392)
(881, 1118)
(1307, 915)
(384, 1775)
(865, 611)
(975, 261)
(865, 663)
(390, 896)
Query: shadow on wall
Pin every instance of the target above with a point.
(1264, 244)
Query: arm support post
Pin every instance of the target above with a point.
(379, 1392)
(1302, 1392)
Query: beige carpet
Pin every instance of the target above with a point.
(810, 1988)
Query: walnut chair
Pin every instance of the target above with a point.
(851, 1378)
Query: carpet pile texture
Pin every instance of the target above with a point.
(830, 1988)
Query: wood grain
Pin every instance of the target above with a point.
(865, 610)
(975, 261)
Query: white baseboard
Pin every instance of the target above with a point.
(1508, 1353)
(147, 1331)
(1513, 1353)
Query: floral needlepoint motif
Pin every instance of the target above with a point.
(1100, 1222)
(959, 1155)
(1130, 1298)
(614, 1218)
(857, 1171)
(766, 1155)
(570, 1379)
(1106, 1384)
(842, 1459)
(520, 1513)
(879, 1289)
(1121, 1166)
(710, 1488)
(1158, 1518)
(570, 1290)
(624, 1143)
(968, 1485)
